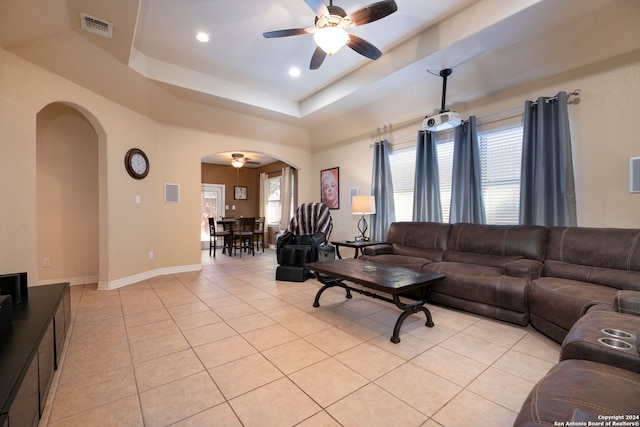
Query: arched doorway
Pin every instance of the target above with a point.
(68, 196)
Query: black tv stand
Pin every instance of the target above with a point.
(30, 351)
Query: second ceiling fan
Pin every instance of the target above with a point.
(330, 25)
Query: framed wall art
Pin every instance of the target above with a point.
(239, 192)
(330, 187)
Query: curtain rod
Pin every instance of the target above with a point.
(575, 92)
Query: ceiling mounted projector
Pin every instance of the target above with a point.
(445, 119)
(441, 121)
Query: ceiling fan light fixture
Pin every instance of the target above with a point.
(237, 160)
(331, 39)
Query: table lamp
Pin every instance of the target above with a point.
(363, 205)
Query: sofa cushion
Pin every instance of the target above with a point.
(426, 253)
(627, 302)
(480, 285)
(598, 247)
(580, 390)
(480, 259)
(615, 278)
(464, 269)
(502, 240)
(556, 304)
(416, 237)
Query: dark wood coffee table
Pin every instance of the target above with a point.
(379, 277)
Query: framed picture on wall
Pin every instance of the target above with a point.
(239, 192)
(330, 187)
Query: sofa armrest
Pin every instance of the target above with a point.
(627, 302)
(524, 268)
(380, 249)
(596, 306)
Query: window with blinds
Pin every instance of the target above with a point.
(500, 164)
(500, 158)
(444, 152)
(403, 170)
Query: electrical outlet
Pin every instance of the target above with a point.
(150, 254)
(46, 263)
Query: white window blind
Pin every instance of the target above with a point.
(500, 162)
(444, 152)
(403, 168)
(273, 201)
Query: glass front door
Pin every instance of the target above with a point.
(212, 205)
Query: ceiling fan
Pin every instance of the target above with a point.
(238, 160)
(330, 25)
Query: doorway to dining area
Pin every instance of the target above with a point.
(211, 206)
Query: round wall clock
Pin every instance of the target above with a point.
(136, 163)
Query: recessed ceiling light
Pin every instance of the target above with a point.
(294, 72)
(202, 37)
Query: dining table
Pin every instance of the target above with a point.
(227, 223)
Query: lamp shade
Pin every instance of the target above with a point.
(363, 205)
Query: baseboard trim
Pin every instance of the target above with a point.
(119, 283)
(79, 280)
(124, 281)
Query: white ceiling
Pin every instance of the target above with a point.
(251, 69)
(154, 65)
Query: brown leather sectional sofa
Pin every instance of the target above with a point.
(517, 273)
(579, 286)
(597, 381)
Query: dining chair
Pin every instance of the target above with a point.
(214, 233)
(242, 235)
(258, 233)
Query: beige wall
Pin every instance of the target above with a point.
(603, 129)
(128, 231)
(67, 194)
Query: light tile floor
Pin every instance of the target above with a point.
(231, 346)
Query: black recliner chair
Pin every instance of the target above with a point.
(310, 227)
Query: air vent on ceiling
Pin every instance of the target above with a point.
(96, 26)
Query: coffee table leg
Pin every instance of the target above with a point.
(329, 283)
(395, 338)
(407, 310)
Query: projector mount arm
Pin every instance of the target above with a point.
(444, 74)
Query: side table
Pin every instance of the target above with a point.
(358, 246)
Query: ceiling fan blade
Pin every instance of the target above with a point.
(317, 58)
(286, 33)
(363, 47)
(318, 7)
(373, 12)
